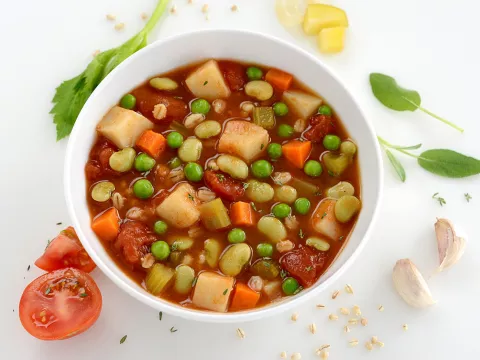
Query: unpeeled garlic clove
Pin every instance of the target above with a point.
(411, 285)
(450, 246)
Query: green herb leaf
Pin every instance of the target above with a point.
(449, 163)
(122, 340)
(205, 83)
(245, 186)
(28, 268)
(71, 95)
(301, 235)
(396, 165)
(49, 289)
(160, 315)
(172, 329)
(393, 96)
(83, 295)
(467, 197)
(440, 200)
(225, 292)
(253, 206)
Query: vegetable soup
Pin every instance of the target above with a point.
(223, 186)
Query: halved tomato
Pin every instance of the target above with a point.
(65, 251)
(60, 304)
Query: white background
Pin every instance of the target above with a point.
(431, 46)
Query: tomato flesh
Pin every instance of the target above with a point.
(60, 304)
(64, 251)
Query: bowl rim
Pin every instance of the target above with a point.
(207, 316)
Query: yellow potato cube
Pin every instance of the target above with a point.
(331, 40)
(321, 16)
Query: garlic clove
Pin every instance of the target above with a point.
(450, 246)
(411, 285)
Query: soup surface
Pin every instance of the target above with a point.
(223, 186)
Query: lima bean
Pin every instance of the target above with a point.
(234, 259)
(341, 189)
(317, 243)
(259, 191)
(122, 161)
(208, 129)
(348, 148)
(191, 150)
(102, 191)
(182, 243)
(259, 89)
(346, 207)
(212, 249)
(272, 228)
(163, 83)
(286, 194)
(184, 276)
(233, 166)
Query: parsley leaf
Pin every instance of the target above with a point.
(71, 95)
(468, 197)
(225, 292)
(440, 200)
(122, 340)
(172, 329)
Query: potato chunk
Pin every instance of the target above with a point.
(123, 127)
(321, 16)
(301, 103)
(324, 220)
(331, 40)
(207, 82)
(244, 139)
(180, 208)
(212, 291)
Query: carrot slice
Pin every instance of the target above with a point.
(297, 152)
(244, 297)
(106, 225)
(152, 143)
(279, 79)
(241, 214)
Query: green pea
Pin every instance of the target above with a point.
(254, 73)
(160, 227)
(302, 205)
(281, 211)
(285, 131)
(128, 101)
(143, 162)
(236, 236)
(290, 286)
(280, 109)
(331, 142)
(160, 250)
(174, 140)
(262, 169)
(274, 150)
(193, 172)
(143, 189)
(313, 168)
(174, 162)
(200, 106)
(265, 250)
(325, 110)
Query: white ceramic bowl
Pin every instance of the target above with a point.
(184, 49)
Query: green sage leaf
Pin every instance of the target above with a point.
(390, 94)
(449, 163)
(396, 165)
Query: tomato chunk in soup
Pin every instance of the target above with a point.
(224, 186)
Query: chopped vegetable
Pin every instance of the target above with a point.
(214, 215)
(324, 220)
(297, 152)
(210, 292)
(158, 278)
(301, 103)
(214, 88)
(263, 116)
(243, 139)
(267, 269)
(331, 40)
(244, 298)
(241, 214)
(106, 225)
(180, 208)
(321, 16)
(336, 164)
(304, 188)
(152, 143)
(279, 79)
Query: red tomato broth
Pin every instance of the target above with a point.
(123, 182)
